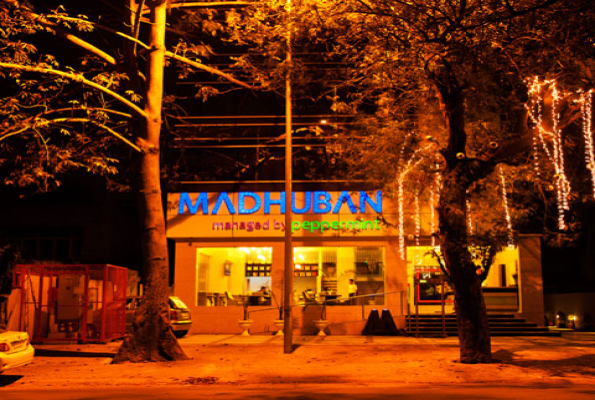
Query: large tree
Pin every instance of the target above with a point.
(117, 55)
(440, 88)
(467, 60)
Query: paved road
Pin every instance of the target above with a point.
(305, 392)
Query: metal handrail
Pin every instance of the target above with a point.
(325, 302)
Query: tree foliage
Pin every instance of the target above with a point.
(81, 79)
(443, 85)
(439, 87)
(49, 124)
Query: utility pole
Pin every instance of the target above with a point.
(288, 287)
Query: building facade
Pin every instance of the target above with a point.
(229, 257)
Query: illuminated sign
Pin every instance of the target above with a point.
(315, 226)
(318, 202)
(306, 226)
(249, 226)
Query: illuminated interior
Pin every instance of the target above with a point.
(425, 277)
(323, 274)
(231, 275)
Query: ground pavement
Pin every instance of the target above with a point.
(331, 367)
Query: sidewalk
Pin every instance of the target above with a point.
(253, 361)
(570, 336)
(191, 341)
(578, 335)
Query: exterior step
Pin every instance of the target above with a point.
(501, 324)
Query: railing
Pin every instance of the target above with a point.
(341, 301)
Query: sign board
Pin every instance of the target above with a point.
(261, 214)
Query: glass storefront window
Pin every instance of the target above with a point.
(368, 261)
(233, 275)
(430, 283)
(324, 274)
(500, 288)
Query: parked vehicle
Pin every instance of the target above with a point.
(15, 349)
(179, 314)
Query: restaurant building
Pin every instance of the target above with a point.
(229, 256)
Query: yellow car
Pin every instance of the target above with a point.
(180, 318)
(15, 349)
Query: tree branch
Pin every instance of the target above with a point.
(77, 78)
(487, 260)
(102, 126)
(520, 144)
(206, 68)
(86, 109)
(18, 132)
(61, 120)
(170, 54)
(493, 18)
(441, 265)
(137, 20)
(60, 32)
(104, 28)
(207, 4)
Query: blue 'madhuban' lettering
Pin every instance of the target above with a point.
(319, 202)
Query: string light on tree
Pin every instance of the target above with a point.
(412, 162)
(417, 227)
(535, 114)
(469, 220)
(535, 110)
(506, 209)
(556, 154)
(587, 116)
(400, 201)
(536, 155)
(562, 183)
(435, 185)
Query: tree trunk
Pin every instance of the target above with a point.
(151, 338)
(474, 334)
(458, 174)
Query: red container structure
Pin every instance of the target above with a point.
(79, 302)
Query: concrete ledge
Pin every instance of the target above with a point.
(577, 335)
